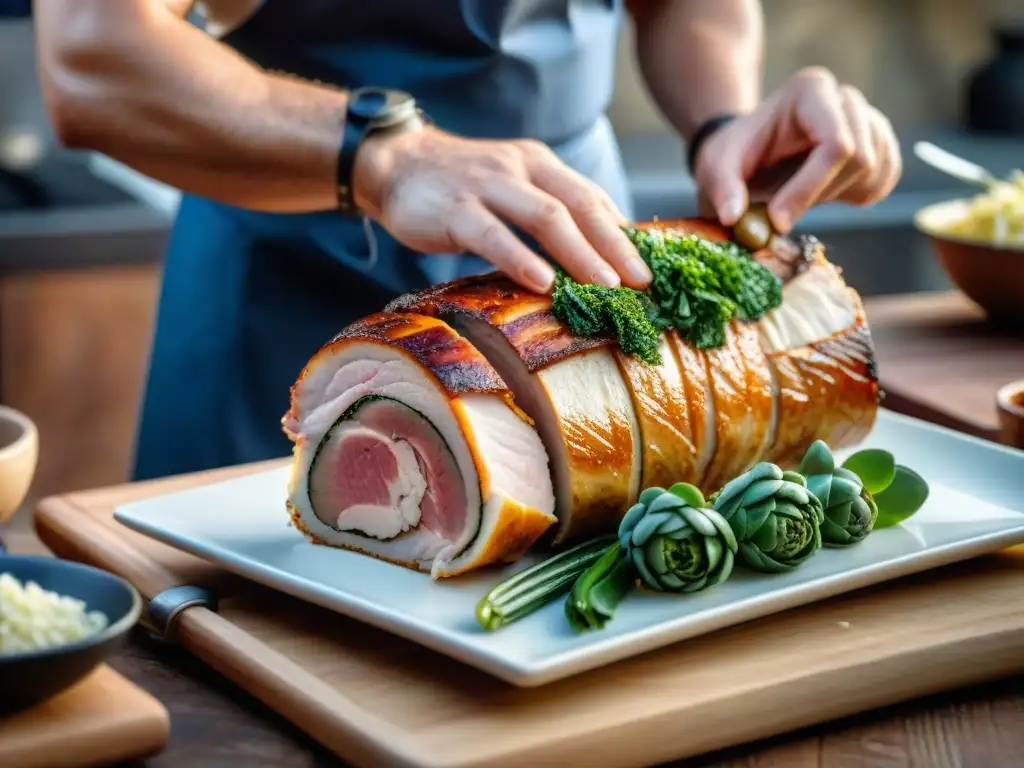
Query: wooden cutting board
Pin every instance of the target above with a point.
(104, 719)
(375, 699)
(940, 360)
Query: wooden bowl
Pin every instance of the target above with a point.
(1010, 403)
(27, 679)
(19, 453)
(989, 274)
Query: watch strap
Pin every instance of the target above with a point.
(357, 128)
(352, 138)
(702, 134)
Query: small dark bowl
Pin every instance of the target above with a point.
(27, 679)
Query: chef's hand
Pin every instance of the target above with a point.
(852, 154)
(439, 193)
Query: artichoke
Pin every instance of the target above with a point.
(677, 542)
(775, 519)
(849, 509)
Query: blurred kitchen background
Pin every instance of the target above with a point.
(81, 238)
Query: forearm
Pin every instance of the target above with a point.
(700, 58)
(131, 79)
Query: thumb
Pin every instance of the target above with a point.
(719, 176)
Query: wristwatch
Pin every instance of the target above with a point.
(370, 109)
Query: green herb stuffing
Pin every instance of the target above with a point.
(698, 287)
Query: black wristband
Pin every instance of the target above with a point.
(351, 139)
(702, 134)
(369, 110)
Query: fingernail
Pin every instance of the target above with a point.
(731, 211)
(638, 271)
(540, 276)
(608, 277)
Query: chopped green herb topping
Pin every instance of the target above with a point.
(622, 313)
(699, 285)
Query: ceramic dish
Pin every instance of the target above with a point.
(32, 677)
(988, 273)
(975, 507)
(19, 453)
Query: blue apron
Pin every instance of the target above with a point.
(248, 297)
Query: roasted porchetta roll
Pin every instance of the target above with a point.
(570, 385)
(408, 446)
(613, 424)
(819, 348)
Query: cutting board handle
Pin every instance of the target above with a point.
(319, 708)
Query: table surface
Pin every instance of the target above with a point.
(216, 724)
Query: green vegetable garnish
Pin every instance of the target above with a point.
(596, 310)
(777, 521)
(698, 287)
(898, 492)
(598, 591)
(850, 510)
(676, 541)
(538, 585)
(876, 468)
(906, 494)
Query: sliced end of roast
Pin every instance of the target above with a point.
(400, 456)
(582, 411)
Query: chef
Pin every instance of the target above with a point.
(334, 153)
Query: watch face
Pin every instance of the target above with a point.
(381, 106)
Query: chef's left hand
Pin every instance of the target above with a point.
(852, 154)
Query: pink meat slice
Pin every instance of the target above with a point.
(389, 460)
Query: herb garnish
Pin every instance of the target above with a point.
(698, 287)
(596, 310)
(767, 519)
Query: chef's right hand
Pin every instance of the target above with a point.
(440, 193)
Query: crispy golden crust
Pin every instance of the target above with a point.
(598, 440)
(693, 366)
(517, 529)
(828, 391)
(759, 395)
(705, 228)
(455, 363)
(600, 458)
(663, 412)
(760, 392)
(741, 414)
(523, 317)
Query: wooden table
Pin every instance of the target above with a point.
(938, 361)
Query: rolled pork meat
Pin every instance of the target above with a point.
(614, 425)
(409, 447)
(431, 390)
(570, 385)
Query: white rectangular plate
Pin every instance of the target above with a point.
(976, 506)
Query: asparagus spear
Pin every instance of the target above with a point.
(538, 585)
